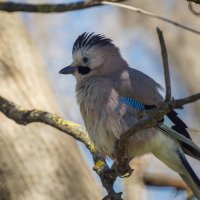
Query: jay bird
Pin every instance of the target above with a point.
(110, 95)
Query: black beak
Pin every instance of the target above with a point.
(68, 70)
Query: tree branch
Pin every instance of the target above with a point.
(57, 8)
(24, 117)
(165, 65)
(50, 8)
(47, 8)
(150, 14)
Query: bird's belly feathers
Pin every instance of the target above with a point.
(105, 126)
(100, 132)
(106, 118)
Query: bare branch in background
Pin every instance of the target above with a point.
(150, 14)
(52, 8)
(164, 180)
(165, 65)
(47, 8)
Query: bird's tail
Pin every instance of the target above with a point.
(190, 177)
(172, 155)
(189, 147)
(190, 183)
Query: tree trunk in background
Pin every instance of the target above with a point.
(37, 162)
(134, 185)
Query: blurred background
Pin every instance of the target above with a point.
(36, 46)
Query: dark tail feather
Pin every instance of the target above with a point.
(191, 151)
(190, 177)
(189, 147)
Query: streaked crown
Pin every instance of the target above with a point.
(91, 40)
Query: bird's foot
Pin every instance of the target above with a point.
(123, 170)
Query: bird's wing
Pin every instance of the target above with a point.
(136, 86)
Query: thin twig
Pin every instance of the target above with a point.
(165, 65)
(150, 14)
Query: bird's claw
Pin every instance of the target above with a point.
(123, 170)
(127, 174)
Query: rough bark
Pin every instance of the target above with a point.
(37, 161)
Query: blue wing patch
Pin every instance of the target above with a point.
(131, 102)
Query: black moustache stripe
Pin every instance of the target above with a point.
(83, 70)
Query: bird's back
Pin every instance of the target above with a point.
(134, 84)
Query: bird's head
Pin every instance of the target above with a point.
(93, 55)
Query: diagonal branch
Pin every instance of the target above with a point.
(150, 14)
(165, 65)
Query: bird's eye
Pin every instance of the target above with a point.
(85, 60)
